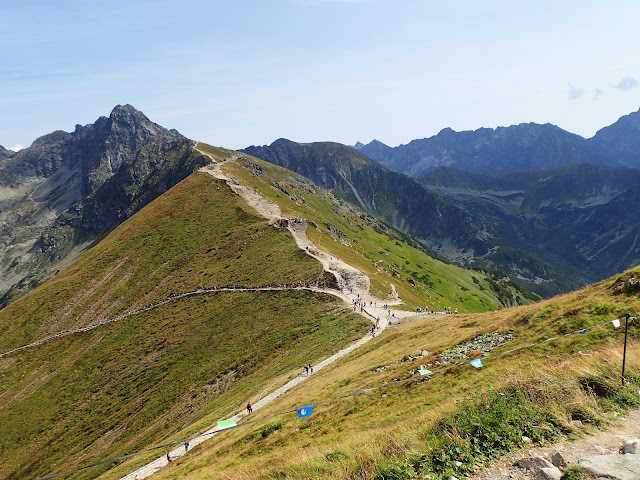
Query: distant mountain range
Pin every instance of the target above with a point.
(67, 189)
(518, 148)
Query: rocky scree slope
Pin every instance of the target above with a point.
(68, 189)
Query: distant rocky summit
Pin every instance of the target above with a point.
(67, 189)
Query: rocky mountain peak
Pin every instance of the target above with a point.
(5, 153)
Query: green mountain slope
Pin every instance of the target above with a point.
(130, 384)
(174, 369)
(385, 254)
(450, 423)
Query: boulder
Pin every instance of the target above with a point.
(619, 467)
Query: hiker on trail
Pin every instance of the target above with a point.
(310, 369)
(306, 370)
(455, 312)
(169, 459)
(186, 446)
(249, 408)
(137, 477)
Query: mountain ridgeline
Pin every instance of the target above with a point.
(517, 148)
(551, 209)
(67, 189)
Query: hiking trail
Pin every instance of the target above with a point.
(352, 280)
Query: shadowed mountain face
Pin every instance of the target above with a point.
(4, 154)
(580, 218)
(67, 189)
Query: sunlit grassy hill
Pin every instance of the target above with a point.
(171, 371)
(126, 385)
(452, 422)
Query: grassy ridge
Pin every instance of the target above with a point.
(464, 416)
(387, 256)
(173, 369)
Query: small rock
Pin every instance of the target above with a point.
(453, 478)
(576, 423)
(548, 473)
(631, 446)
(425, 353)
(559, 460)
(599, 449)
(458, 464)
(534, 463)
(526, 439)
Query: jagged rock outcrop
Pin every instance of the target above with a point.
(4, 153)
(66, 189)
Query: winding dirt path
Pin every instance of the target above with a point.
(352, 280)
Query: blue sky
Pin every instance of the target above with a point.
(237, 73)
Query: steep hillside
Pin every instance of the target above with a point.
(517, 148)
(131, 383)
(451, 422)
(68, 189)
(576, 218)
(170, 365)
(451, 232)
